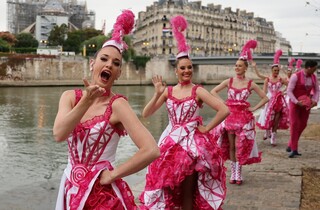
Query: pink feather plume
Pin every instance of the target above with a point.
(123, 26)
(276, 58)
(292, 60)
(299, 63)
(179, 25)
(246, 49)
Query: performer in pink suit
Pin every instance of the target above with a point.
(236, 134)
(189, 173)
(92, 122)
(275, 114)
(300, 85)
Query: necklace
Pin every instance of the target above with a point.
(184, 83)
(241, 77)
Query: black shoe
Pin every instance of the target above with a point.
(294, 153)
(288, 149)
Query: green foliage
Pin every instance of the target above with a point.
(75, 39)
(26, 40)
(129, 53)
(93, 44)
(8, 37)
(4, 46)
(25, 50)
(57, 35)
(140, 61)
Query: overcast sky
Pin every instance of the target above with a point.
(296, 20)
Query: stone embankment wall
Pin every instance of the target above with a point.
(71, 70)
(204, 74)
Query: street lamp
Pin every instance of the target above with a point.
(145, 46)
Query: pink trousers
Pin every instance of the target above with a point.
(298, 122)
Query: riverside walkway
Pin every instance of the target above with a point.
(276, 182)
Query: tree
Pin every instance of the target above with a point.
(94, 43)
(75, 39)
(26, 40)
(8, 37)
(4, 46)
(58, 35)
(129, 53)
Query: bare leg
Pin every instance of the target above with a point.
(232, 146)
(276, 121)
(274, 128)
(188, 189)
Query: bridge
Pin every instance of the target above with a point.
(231, 60)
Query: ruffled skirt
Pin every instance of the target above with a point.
(276, 104)
(241, 123)
(84, 191)
(190, 153)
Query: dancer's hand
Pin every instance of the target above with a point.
(313, 103)
(250, 109)
(106, 177)
(93, 91)
(253, 64)
(300, 104)
(202, 129)
(159, 85)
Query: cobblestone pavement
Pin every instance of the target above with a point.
(275, 183)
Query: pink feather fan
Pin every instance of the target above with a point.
(290, 66)
(123, 26)
(179, 25)
(246, 49)
(276, 58)
(298, 64)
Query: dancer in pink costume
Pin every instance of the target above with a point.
(189, 173)
(290, 68)
(236, 134)
(275, 114)
(299, 91)
(92, 122)
(299, 65)
(289, 73)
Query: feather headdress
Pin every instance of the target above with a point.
(276, 58)
(298, 64)
(290, 66)
(246, 50)
(123, 26)
(179, 25)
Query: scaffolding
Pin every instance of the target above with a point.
(23, 13)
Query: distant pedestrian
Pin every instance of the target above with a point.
(236, 134)
(299, 90)
(190, 173)
(275, 114)
(92, 122)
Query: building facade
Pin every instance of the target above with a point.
(212, 30)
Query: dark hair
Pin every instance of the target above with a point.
(310, 63)
(180, 58)
(245, 61)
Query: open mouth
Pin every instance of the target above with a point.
(105, 75)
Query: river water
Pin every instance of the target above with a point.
(28, 152)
